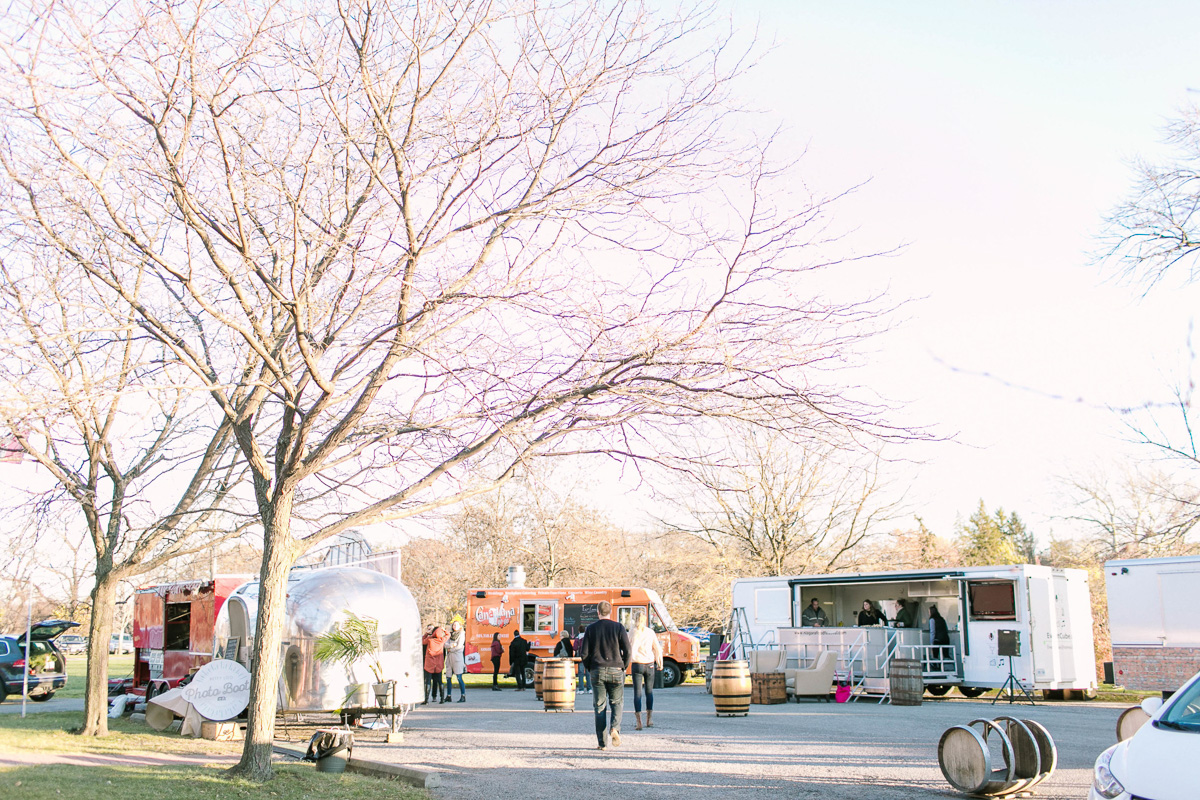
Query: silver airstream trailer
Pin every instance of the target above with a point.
(318, 601)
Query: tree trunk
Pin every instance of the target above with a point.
(278, 555)
(95, 702)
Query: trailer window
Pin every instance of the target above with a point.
(992, 599)
(178, 630)
(538, 616)
(627, 614)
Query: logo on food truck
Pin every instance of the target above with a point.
(496, 617)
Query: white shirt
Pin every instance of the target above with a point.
(646, 649)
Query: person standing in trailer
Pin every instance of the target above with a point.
(906, 617)
(647, 660)
(814, 615)
(938, 635)
(456, 661)
(867, 616)
(607, 652)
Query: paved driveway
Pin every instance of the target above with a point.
(502, 745)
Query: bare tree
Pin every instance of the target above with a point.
(1137, 513)
(1156, 230)
(94, 403)
(404, 245)
(785, 508)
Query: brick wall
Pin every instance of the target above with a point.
(1155, 668)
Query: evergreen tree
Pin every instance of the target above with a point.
(984, 540)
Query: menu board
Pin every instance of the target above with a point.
(577, 616)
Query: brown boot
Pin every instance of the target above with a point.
(637, 720)
(649, 723)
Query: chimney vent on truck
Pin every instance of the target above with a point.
(516, 577)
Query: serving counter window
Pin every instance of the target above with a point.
(995, 600)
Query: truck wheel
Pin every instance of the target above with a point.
(151, 691)
(672, 674)
(971, 691)
(938, 689)
(41, 698)
(529, 676)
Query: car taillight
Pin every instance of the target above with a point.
(19, 663)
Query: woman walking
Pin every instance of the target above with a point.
(456, 661)
(647, 659)
(497, 652)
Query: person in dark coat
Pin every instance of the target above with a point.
(607, 653)
(518, 658)
(564, 648)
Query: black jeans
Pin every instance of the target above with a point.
(519, 671)
(495, 670)
(608, 691)
(643, 675)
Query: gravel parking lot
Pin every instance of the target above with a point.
(502, 745)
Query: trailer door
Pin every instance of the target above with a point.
(1043, 631)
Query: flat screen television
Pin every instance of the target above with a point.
(992, 599)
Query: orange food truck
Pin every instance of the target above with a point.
(542, 614)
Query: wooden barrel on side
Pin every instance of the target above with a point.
(539, 668)
(965, 758)
(558, 685)
(905, 681)
(731, 687)
(1027, 755)
(1128, 723)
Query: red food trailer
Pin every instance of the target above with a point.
(173, 626)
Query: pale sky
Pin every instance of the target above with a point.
(994, 135)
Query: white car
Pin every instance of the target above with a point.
(1159, 762)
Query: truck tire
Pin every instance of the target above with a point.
(529, 676)
(938, 689)
(971, 691)
(672, 674)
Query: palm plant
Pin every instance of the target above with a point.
(356, 638)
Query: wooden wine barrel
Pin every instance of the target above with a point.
(731, 687)
(558, 685)
(1027, 754)
(539, 667)
(1046, 746)
(905, 682)
(1128, 723)
(965, 758)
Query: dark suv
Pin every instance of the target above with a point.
(48, 666)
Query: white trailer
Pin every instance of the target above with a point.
(1048, 609)
(1154, 621)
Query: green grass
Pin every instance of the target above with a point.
(291, 782)
(48, 733)
(119, 666)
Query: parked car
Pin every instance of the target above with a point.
(120, 643)
(47, 666)
(1158, 761)
(698, 632)
(71, 643)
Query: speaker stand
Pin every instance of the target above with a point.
(1012, 685)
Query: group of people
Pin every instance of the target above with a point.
(444, 652)
(814, 616)
(606, 651)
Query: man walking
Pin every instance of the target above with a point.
(606, 654)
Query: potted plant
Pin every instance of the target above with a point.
(355, 639)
